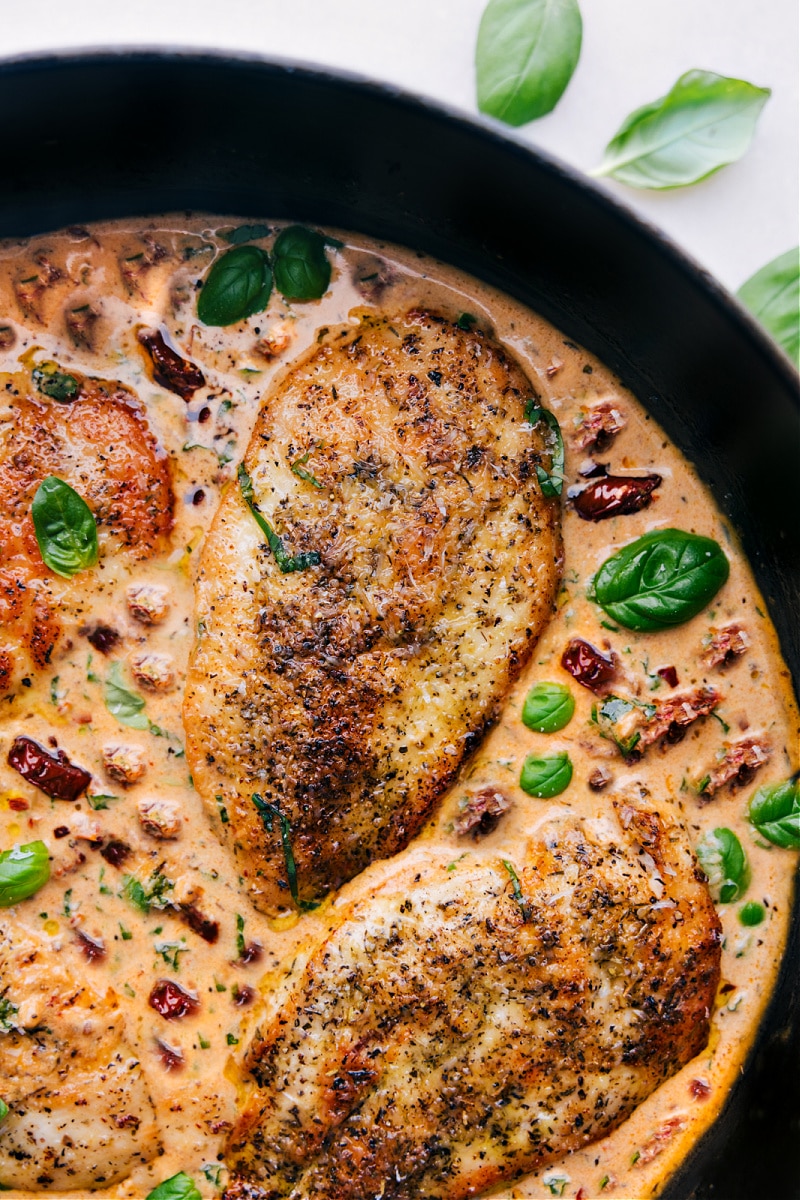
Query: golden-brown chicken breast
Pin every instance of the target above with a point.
(80, 1115)
(367, 594)
(98, 442)
(466, 1022)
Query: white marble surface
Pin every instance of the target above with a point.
(633, 51)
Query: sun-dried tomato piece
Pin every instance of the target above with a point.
(53, 774)
(600, 426)
(669, 675)
(115, 852)
(588, 665)
(242, 996)
(169, 369)
(207, 928)
(93, 948)
(102, 637)
(725, 645)
(481, 812)
(171, 1056)
(171, 1001)
(251, 953)
(614, 496)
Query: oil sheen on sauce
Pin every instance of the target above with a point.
(135, 274)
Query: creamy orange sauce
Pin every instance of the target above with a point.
(205, 439)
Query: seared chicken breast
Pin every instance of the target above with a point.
(465, 1022)
(98, 442)
(80, 1115)
(367, 594)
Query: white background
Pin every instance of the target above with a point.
(633, 51)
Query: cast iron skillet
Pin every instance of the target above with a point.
(98, 135)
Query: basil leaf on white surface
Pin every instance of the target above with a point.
(773, 297)
(526, 53)
(705, 122)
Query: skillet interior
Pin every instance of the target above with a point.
(125, 134)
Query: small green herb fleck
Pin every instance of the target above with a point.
(212, 1171)
(148, 896)
(204, 1045)
(126, 933)
(285, 562)
(7, 1013)
(3, 1110)
(298, 470)
(551, 482)
(268, 813)
(465, 321)
(231, 1040)
(516, 888)
(54, 383)
(725, 726)
(171, 952)
(240, 943)
(100, 801)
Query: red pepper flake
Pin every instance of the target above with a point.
(93, 948)
(205, 927)
(669, 675)
(61, 831)
(242, 996)
(115, 852)
(54, 775)
(17, 804)
(169, 369)
(699, 1089)
(171, 1001)
(588, 665)
(171, 1056)
(251, 953)
(615, 496)
(102, 637)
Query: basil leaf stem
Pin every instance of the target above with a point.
(526, 54)
(550, 481)
(548, 707)
(237, 285)
(301, 266)
(285, 562)
(773, 297)
(662, 579)
(23, 871)
(546, 775)
(66, 530)
(705, 122)
(268, 813)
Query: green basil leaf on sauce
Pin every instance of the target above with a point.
(773, 297)
(662, 579)
(3, 1110)
(526, 54)
(286, 562)
(752, 913)
(238, 285)
(550, 481)
(55, 384)
(722, 857)
(66, 530)
(23, 871)
(302, 269)
(177, 1187)
(244, 233)
(548, 707)
(121, 702)
(705, 122)
(774, 810)
(546, 775)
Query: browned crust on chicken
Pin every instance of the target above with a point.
(348, 694)
(100, 444)
(452, 1032)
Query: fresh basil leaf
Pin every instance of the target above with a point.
(662, 579)
(286, 562)
(546, 775)
(302, 269)
(121, 702)
(526, 53)
(773, 297)
(245, 233)
(516, 888)
(752, 913)
(65, 528)
(548, 707)
(775, 812)
(550, 481)
(238, 285)
(55, 384)
(177, 1187)
(269, 812)
(724, 861)
(705, 122)
(23, 870)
